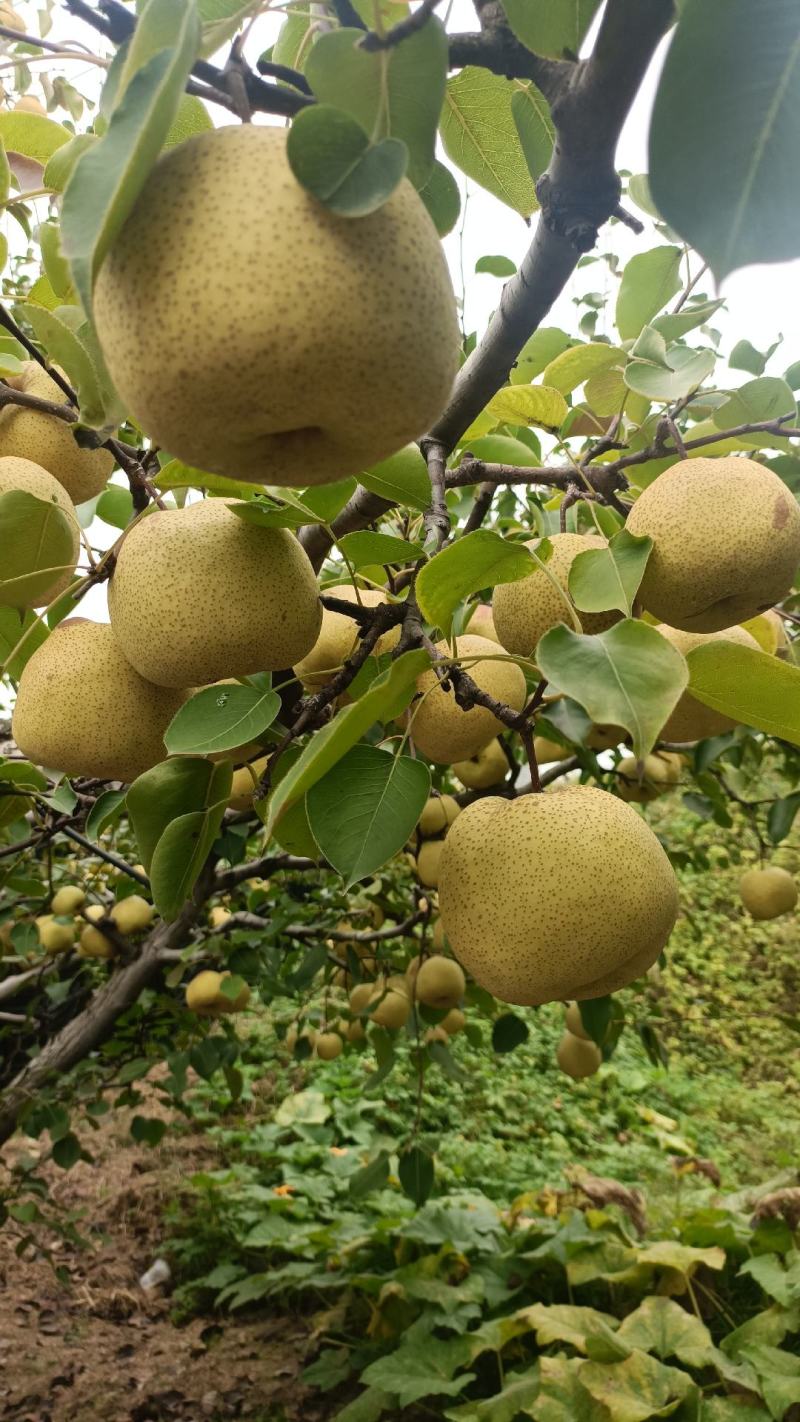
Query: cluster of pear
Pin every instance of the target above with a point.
(438, 814)
(205, 995)
(58, 930)
(639, 782)
(577, 1054)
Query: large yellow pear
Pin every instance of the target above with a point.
(82, 708)
(338, 638)
(49, 441)
(18, 588)
(691, 720)
(726, 542)
(769, 892)
(522, 932)
(525, 610)
(199, 595)
(489, 766)
(441, 730)
(252, 332)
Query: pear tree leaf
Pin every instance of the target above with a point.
(552, 27)
(14, 626)
(103, 811)
(602, 579)
(65, 347)
(39, 546)
(539, 351)
(529, 405)
(481, 559)
(415, 1173)
(765, 398)
(402, 478)
(495, 266)
(575, 365)
(364, 809)
(442, 198)
(221, 718)
(750, 686)
(333, 158)
(622, 677)
(363, 549)
(531, 114)
(172, 789)
(649, 281)
(181, 853)
(33, 136)
(674, 324)
(687, 369)
(739, 87)
(480, 136)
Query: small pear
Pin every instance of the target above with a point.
(428, 859)
(329, 1046)
(55, 937)
(33, 434)
(440, 983)
(67, 899)
(437, 815)
(132, 914)
(769, 892)
(577, 1057)
(338, 638)
(487, 767)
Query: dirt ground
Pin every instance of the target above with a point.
(102, 1349)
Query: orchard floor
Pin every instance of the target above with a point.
(100, 1348)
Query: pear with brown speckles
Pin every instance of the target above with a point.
(518, 895)
(441, 730)
(726, 542)
(254, 333)
(82, 708)
(33, 434)
(199, 595)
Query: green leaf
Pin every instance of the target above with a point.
(636, 1388)
(266, 512)
(55, 267)
(574, 366)
(332, 157)
(502, 449)
(415, 1172)
(779, 1278)
(565, 1323)
(402, 478)
(778, 1374)
(605, 578)
(32, 135)
(176, 475)
(515, 1401)
(362, 549)
(479, 560)
(59, 167)
(781, 816)
(480, 136)
(327, 500)
(148, 1130)
(562, 1395)
(39, 546)
(649, 281)
(529, 405)
(14, 626)
(675, 324)
(115, 506)
(372, 1176)
(396, 93)
(508, 1032)
(552, 27)
(385, 699)
(109, 175)
(739, 87)
(364, 809)
(5, 175)
(496, 266)
(687, 370)
(629, 676)
(659, 1325)
(66, 1151)
(751, 687)
(744, 356)
(221, 718)
(412, 1372)
(192, 117)
(103, 812)
(539, 351)
(172, 789)
(763, 399)
(183, 848)
(66, 349)
(531, 114)
(442, 198)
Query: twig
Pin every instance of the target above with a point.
(416, 20)
(282, 71)
(105, 854)
(436, 518)
(483, 502)
(270, 864)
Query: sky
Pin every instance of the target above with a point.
(756, 297)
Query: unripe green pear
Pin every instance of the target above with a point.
(338, 638)
(133, 914)
(440, 729)
(769, 892)
(67, 899)
(577, 1057)
(522, 931)
(228, 597)
(437, 815)
(439, 982)
(55, 937)
(82, 708)
(428, 861)
(691, 720)
(18, 587)
(726, 542)
(328, 1045)
(489, 766)
(523, 611)
(33, 434)
(224, 248)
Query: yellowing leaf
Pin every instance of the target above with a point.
(529, 405)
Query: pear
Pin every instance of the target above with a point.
(574, 1022)
(29, 104)
(440, 729)
(455, 1021)
(338, 638)
(436, 1034)
(726, 542)
(223, 250)
(439, 982)
(132, 914)
(48, 441)
(205, 995)
(546, 750)
(428, 861)
(523, 611)
(11, 18)
(691, 720)
(505, 912)
(55, 937)
(438, 937)
(218, 916)
(18, 587)
(768, 893)
(81, 708)
(481, 622)
(437, 815)
(243, 786)
(645, 781)
(602, 737)
(769, 631)
(577, 1057)
(329, 1046)
(93, 943)
(391, 1004)
(228, 598)
(67, 899)
(489, 766)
